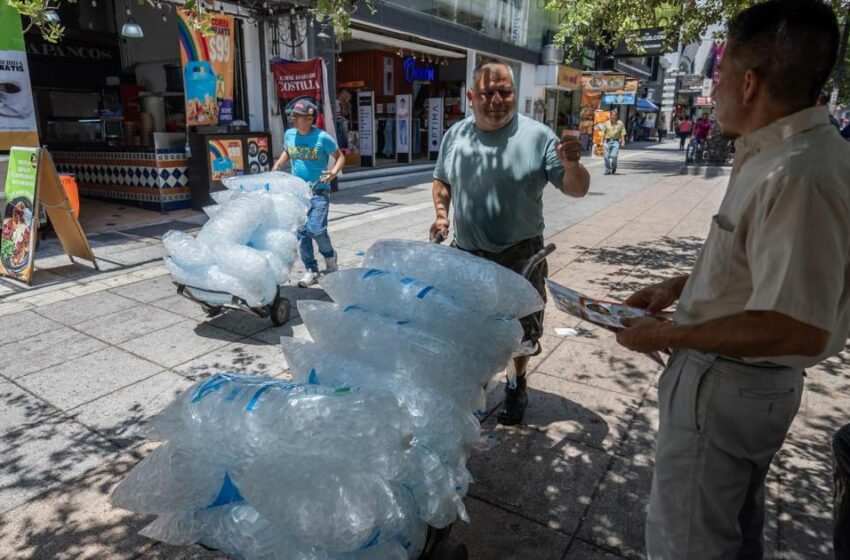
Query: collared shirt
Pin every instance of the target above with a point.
(781, 239)
(613, 131)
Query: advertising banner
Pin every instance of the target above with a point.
(403, 124)
(569, 78)
(366, 125)
(207, 70)
(225, 158)
(301, 80)
(17, 115)
(435, 126)
(618, 98)
(602, 81)
(17, 245)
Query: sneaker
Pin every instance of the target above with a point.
(330, 264)
(516, 401)
(310, 278)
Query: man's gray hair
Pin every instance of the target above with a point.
(476, 74)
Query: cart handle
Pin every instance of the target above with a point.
(536, 259)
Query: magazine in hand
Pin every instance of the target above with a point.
(606, 314)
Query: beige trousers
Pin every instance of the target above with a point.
(722, 421)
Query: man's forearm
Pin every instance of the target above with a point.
(751, 334)
(442, 195)
(576, 180)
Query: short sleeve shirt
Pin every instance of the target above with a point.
(781, 238)
(613, 131)
(309, 153)
(497, 180)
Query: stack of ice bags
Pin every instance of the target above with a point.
(368, 445)
(247, 247)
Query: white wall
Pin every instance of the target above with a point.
(253, 77)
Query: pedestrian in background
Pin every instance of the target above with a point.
(684, 131)
(613, 138)
(662, 127)
(768, 296)
(823, 101)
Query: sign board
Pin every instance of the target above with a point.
(568, 77)
(31, 181)
(389, 75)
(258, 154)
(645, 42)
(303, 80)
(226, 158)
(207, 69)
(618, 98)
(366, 124)
(403, 124)
(435, 126)
(704, 101)
(417, 73)
(690, 82)
(601, 81)
(17, 113)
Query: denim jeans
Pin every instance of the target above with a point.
(316, 228)
(611, 151)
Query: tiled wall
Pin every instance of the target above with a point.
(156, 179)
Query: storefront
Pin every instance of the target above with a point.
(395, 97)
(111, 100)
(562, 109)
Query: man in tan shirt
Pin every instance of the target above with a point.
(613, 138)
(768, 296)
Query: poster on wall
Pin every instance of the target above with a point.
(258, 154)
(403, 125)
(366, 122)
(17, 115)
(389, 75)
(303, 80)
(603, 81)
(435, 126)
(207, 69)
(225, 158)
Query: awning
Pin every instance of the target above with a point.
(645, 105)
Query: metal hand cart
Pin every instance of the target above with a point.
(210, 301)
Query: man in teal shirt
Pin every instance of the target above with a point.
(309, 149)
(494, 166)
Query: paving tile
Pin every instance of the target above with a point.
(147, 291)
(245, 356)
(544, 477)
(240, 322)
(84, 379)
(496, 533)
(179, 343)
(147, 253)
(14, 307)
(605, 365)
(584, 551)
(84, 308)
(19, 408)
(804, 537)
(74, 520)
(39, 457)
(294, 328)
(24, 325)
(44, 351)
(616, 518)
(119, 416)
(180, 305)
(129, 323)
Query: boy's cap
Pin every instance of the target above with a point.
(304, 107)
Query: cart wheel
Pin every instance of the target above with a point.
(211, 310)
(280, 311)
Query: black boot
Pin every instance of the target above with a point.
(516, 401)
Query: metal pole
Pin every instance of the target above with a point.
(839, 67)
(263, 74)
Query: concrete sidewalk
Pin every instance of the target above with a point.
(88, 357)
